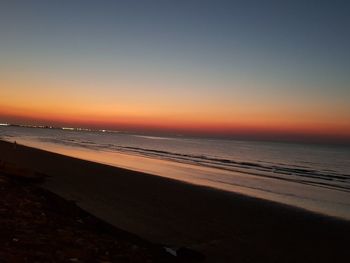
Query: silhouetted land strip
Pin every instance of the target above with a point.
(225, 227)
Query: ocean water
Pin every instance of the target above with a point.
(313, 177)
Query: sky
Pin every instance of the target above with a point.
(255, 69)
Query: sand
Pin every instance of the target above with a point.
(225, 227)
(38, 226)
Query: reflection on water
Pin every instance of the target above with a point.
(309, 176)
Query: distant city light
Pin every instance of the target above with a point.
(61, 128)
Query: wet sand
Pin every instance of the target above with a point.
(225, 227)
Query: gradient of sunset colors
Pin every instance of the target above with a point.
(247, 69)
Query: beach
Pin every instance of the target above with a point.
(223, 226)
(38, 226)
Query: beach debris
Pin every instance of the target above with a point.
(170, 251)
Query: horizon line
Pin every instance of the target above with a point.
(264, 137)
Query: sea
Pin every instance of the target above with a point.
(315, 177)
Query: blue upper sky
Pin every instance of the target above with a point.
(298, 33)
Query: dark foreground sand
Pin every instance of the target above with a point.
(39, 226)
(225, 227)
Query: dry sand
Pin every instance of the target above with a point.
(225, 227)
(37, 225)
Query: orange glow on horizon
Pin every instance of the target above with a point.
(177, 124)
(56, 106)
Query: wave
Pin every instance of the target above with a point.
(153, 137)
(293, 173)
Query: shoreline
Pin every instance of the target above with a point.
(223, 226)
(283, 186)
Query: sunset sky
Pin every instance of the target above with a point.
(248, 68)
